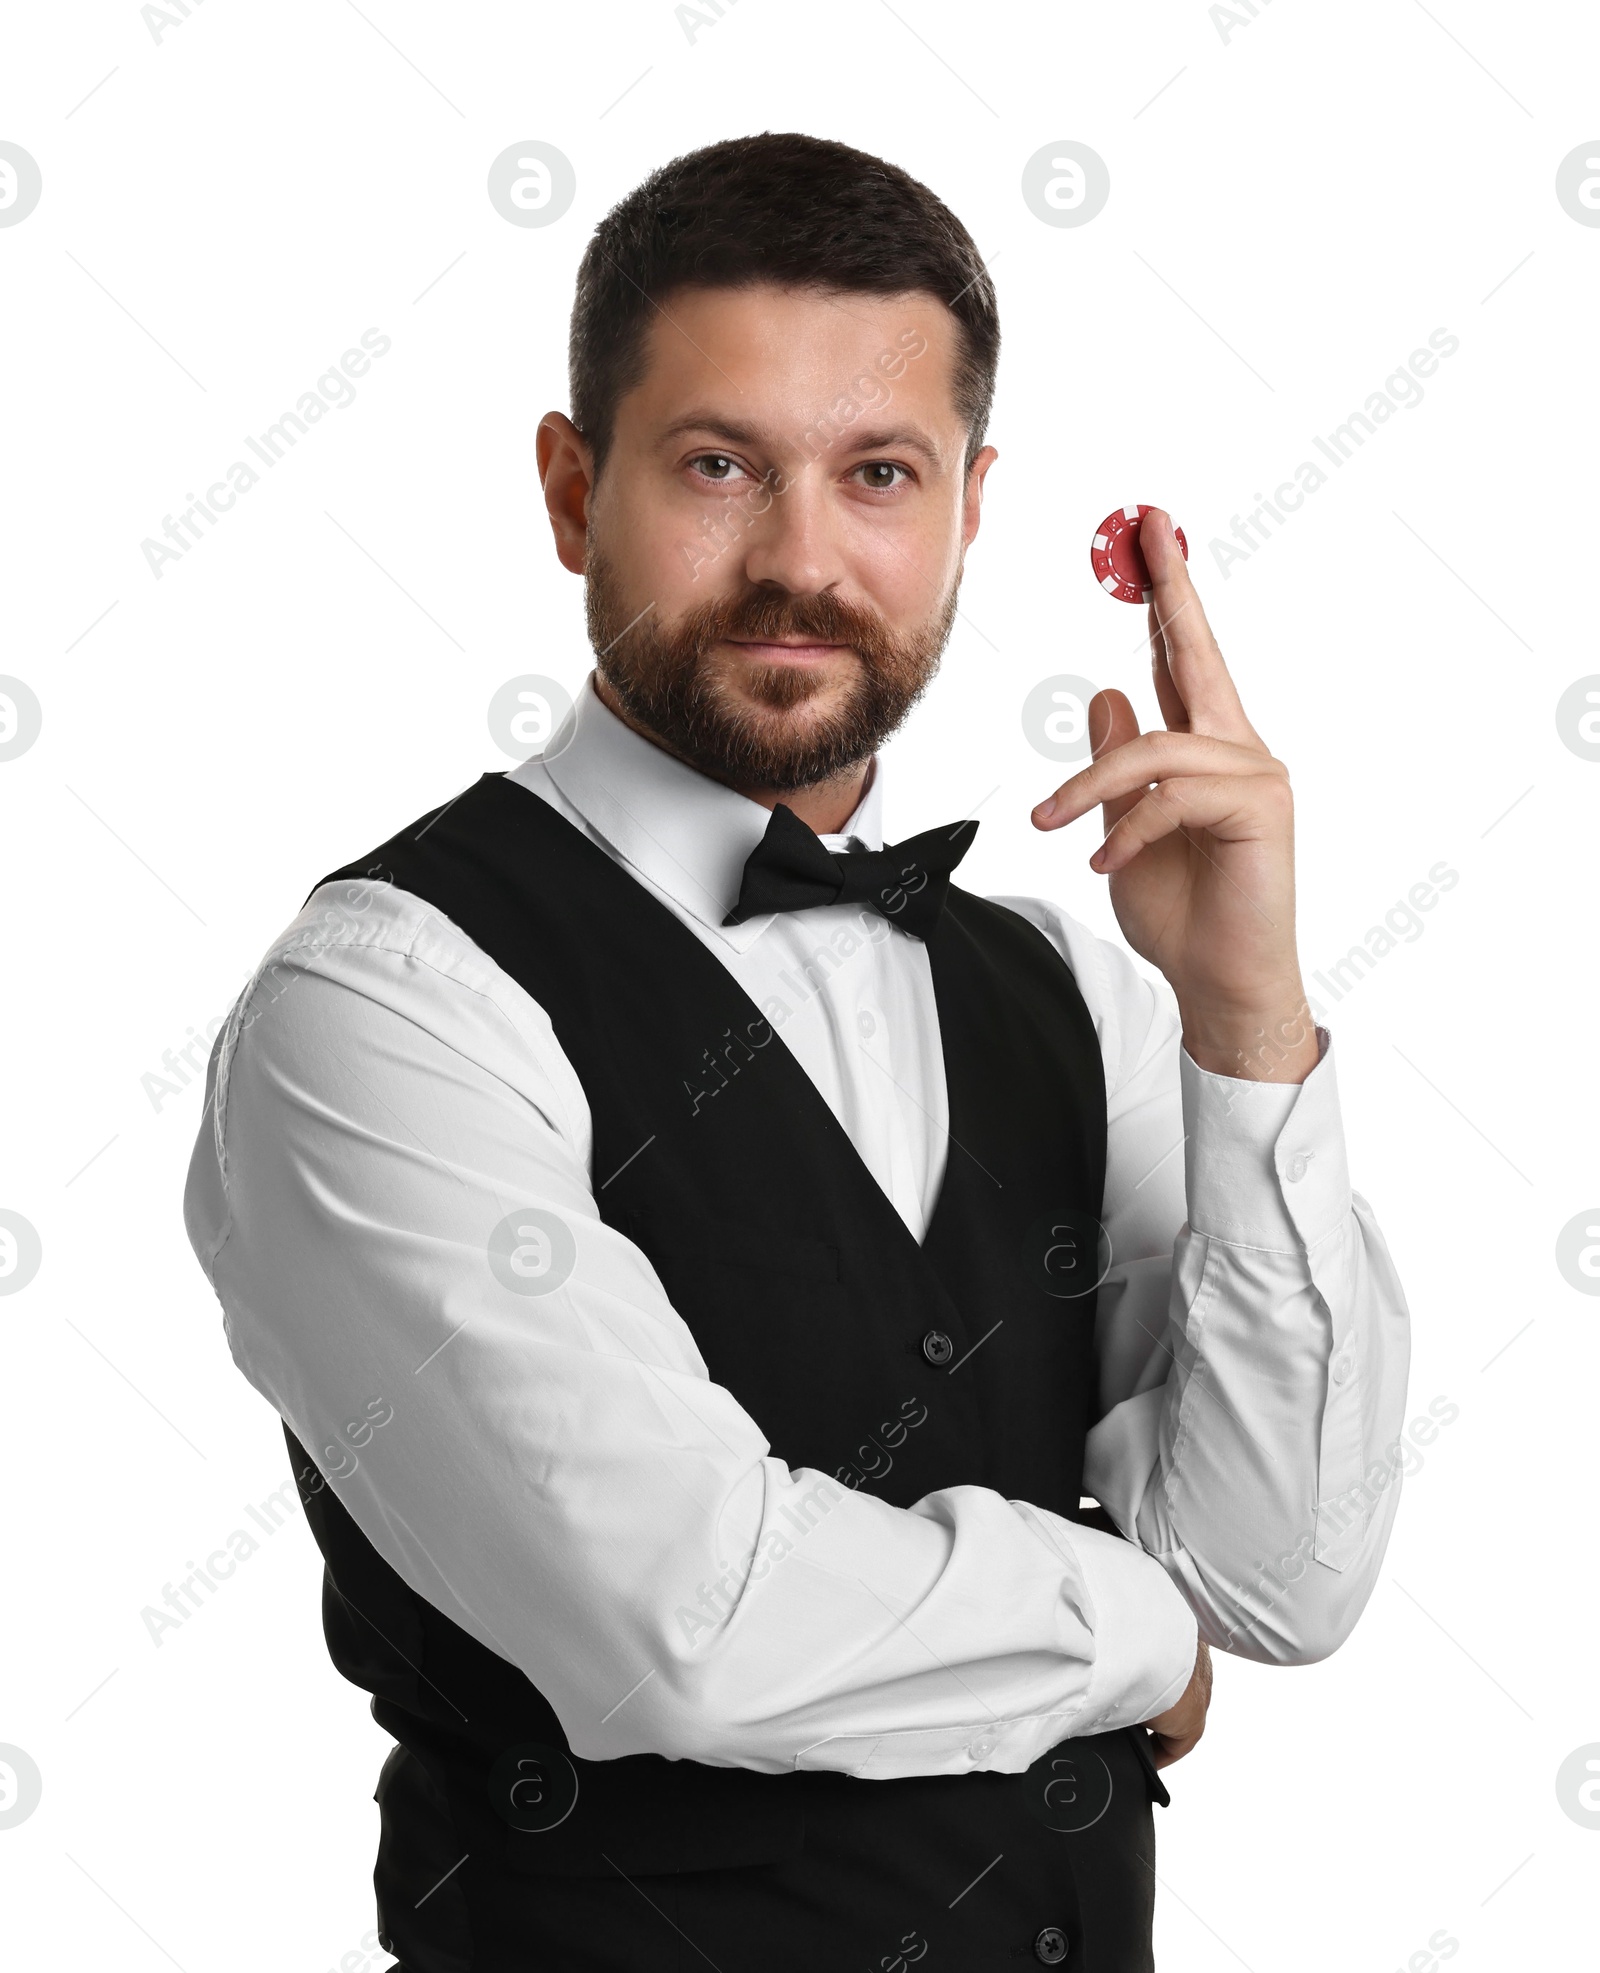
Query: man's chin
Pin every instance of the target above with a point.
(802, 687)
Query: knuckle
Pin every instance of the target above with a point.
(1281, 796)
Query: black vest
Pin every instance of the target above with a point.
(891, 1366)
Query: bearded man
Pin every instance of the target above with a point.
(792, 1363)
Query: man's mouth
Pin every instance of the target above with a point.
(777, 651)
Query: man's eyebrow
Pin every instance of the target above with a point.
(907, 438)
(716, 426)
(877, 438)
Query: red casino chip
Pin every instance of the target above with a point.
(1114, 556)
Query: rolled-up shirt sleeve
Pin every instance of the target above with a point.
(557, 1472)
(1252, 1337)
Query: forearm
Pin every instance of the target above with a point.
(1249, 1466)
(1263, 1478)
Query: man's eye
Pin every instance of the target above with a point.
(715, 465)
(877, 473)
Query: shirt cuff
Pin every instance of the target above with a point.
(1264, 1162)
(1145, 1634)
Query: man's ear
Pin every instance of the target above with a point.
(566, 472)
(972, 498)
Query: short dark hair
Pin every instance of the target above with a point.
(800, 212)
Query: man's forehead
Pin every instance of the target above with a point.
(742, 357)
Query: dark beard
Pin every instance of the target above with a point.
(673, 682)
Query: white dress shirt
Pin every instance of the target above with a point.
(560, 1475)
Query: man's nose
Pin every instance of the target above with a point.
(795, 544)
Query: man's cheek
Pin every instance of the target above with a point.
(695, 557)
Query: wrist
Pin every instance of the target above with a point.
(1270, 1039)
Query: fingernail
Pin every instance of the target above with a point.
(1045, 810)
(1098, 860)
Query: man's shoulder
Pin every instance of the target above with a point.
(1083, 949)
(362, 943)
(324, 999)
(1129, 1006)
(366, 910)
(347, 919)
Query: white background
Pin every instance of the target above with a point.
(1306, 199)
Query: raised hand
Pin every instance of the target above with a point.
(1199, 840)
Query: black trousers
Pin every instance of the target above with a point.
(955, 1872)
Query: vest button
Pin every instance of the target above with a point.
(937, 1347)
(1050, 1948)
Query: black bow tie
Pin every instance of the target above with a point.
(791, 869)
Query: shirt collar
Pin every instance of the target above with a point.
(686, 833)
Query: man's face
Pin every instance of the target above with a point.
(774, 547)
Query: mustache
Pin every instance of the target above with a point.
(768, 615)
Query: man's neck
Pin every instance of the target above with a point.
(825, 807)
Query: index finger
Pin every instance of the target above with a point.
(1194, 661)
